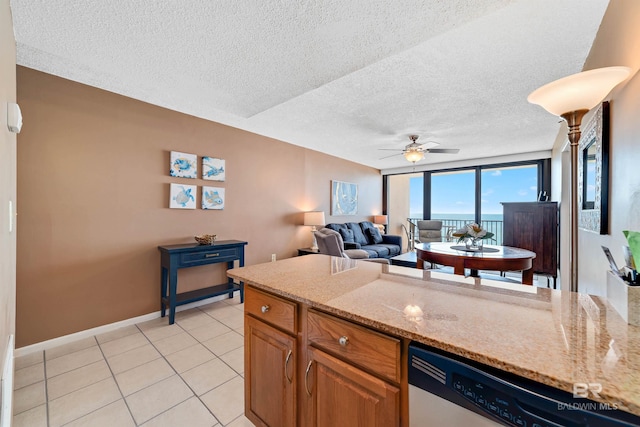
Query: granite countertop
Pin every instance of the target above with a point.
(553, 337)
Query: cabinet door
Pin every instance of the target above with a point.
(270, 381)
(343, 395)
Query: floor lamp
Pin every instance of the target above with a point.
(571, 98)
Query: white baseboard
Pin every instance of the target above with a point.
(55, 342)
(6, 389)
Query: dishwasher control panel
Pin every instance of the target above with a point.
(504, 397)
(495, 403)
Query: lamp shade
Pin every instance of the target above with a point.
(413, 155)
(581, 91)
(314, 218)
(380, 219)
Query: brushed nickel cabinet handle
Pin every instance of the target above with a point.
(211, 255)
(306, 377)
(286, 363)
(343, 341)
(265, 308)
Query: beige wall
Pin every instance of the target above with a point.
(398, 205)
(7, 180)
(93, 185)
(617, 43)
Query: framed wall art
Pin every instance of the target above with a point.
(344, 198)
(182, 196)
(183, 165)
(213, 169)
(212, 198)
(593, 173)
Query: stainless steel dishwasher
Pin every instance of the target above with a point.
(449, 391)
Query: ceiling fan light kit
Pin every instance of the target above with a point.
(413, 155)
(414, 152)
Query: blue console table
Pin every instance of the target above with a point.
(174, 257)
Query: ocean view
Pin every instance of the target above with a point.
(469, 217)
(491, 222)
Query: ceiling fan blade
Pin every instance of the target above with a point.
(429, 144)
(443, 150)
(386, 157)
(391, 149)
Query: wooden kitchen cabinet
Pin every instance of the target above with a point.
(343, 395)
(270, 362)
(318, 370)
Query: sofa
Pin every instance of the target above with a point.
(366, 236)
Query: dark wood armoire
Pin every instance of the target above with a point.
(534, 226)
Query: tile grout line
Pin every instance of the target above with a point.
(163, 356)
(217, 357)
(179, 376)
(97, 409)
(116, 381)
(183, 380)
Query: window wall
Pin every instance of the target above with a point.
(464, 195)
(505, 184)
(453, 195)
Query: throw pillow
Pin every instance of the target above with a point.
(374, 235)
(347, 235)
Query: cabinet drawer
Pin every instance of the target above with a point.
(271, 309)
(369, 349)
(213, 255)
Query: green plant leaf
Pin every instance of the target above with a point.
(633, 238)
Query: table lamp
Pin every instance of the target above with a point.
(381, 222)
(313, 219)
(571, 98)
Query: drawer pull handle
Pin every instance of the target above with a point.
(265, 308)
(343, 341)
(211, 255)
(286, 363)
(306, 377)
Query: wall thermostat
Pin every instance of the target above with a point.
(14, 117)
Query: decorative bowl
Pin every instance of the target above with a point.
(205, 239)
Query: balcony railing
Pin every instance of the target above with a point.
(451, 225)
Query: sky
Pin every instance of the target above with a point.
(454, 193)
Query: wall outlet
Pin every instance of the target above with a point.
(273, 257)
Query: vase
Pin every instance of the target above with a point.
(473, 244)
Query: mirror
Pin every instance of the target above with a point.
(593, 173)
(589, 176)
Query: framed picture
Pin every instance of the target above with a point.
(212, 198)
(213, 169)
(183, 165)
(182, 196)
(593, 173)
(344, 198)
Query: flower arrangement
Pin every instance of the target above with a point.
(473, 232)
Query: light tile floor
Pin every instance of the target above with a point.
(149, 374)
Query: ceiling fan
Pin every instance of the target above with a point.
(415, 152)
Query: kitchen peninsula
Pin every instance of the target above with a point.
(325, 334)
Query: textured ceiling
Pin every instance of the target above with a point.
(345, 77)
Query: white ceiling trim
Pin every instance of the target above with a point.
(496, 160)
